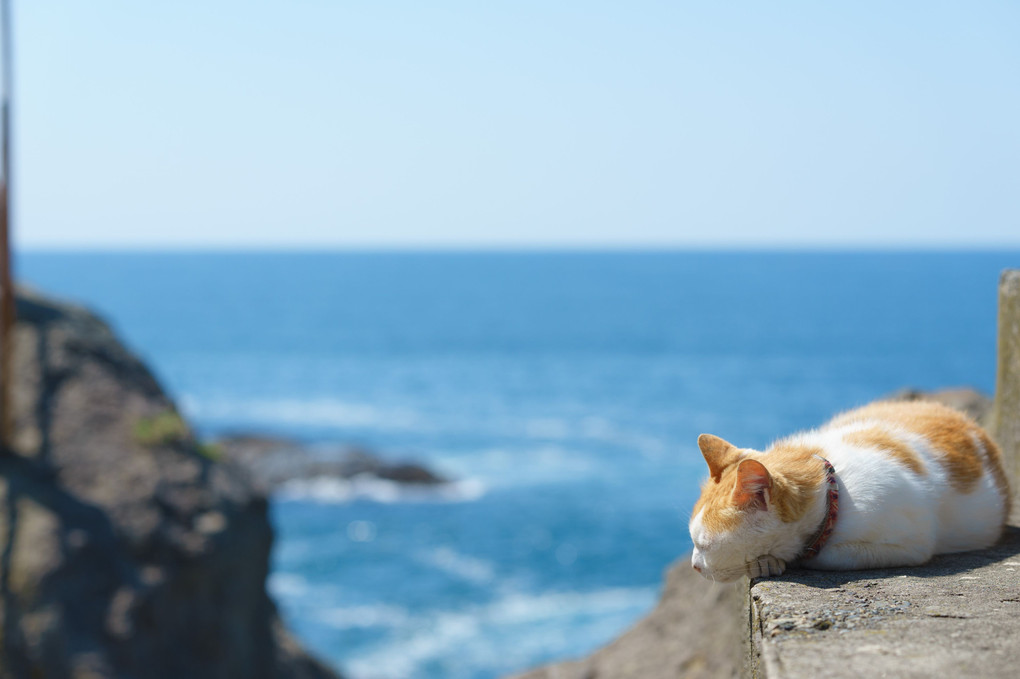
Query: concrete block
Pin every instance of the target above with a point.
(1006, 412)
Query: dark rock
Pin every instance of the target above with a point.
(971, 401)
(126, 550)
(409, 473)
(272, 461)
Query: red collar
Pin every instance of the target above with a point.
(819, 539)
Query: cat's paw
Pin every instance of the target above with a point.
(765, 566)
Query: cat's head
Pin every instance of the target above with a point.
(734, 520)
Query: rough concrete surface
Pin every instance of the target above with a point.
(957, 616)
(1006, 413)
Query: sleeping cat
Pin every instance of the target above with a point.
(889, 484)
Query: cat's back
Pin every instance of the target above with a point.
(941, 450)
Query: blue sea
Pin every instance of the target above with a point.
(564, 391)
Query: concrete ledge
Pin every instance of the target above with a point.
(956, 616)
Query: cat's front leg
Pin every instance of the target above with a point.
(765, 566)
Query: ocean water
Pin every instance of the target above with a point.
(565, 392)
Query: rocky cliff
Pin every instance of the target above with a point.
(126, 549)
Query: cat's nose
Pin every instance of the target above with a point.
(696, 567)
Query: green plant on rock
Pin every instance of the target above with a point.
(210, 451)
(162, 429)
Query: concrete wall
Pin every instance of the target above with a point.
(1006, 413)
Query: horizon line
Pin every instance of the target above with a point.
(521, 248)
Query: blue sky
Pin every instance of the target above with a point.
(516, 124)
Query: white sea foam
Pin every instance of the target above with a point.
(459, 565)
(547, 428)
(287, 585)
(354, 617)
(590, 428)
(527, 608)
(599, 429)
(334, 413)
(328, 489)
(315, 412)
(527, 466)
(526, 616)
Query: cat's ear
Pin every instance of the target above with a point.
(719, 454)
(753, 482)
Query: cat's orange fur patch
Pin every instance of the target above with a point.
(720, 514)
(950, 433)
(796, 476)
(882, 440)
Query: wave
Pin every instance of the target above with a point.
(528, 450)
(313, 412)
(525, 608)
(476, 638)
(293, 587)
(288, 585)
(524, 466)
(337, 414)
(361, 617)
(469, 568)
(334, 490)
(592, 428)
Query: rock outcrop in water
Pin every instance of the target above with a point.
(126, 550)
(271, 462)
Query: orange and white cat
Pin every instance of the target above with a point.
(889, 484)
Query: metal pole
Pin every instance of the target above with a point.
(6, 277)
